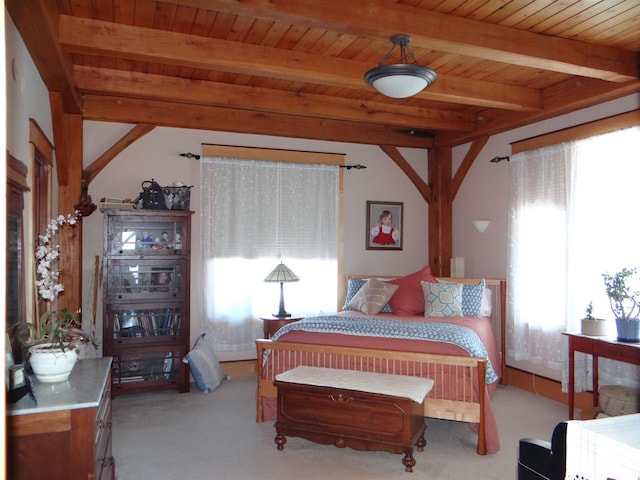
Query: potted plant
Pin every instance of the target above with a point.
(591, 325)
(625, 303)
(51, 341)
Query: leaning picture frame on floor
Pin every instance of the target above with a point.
(384, 225)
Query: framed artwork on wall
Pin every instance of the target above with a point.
(384, 225)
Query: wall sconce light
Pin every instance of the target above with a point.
(480, 225)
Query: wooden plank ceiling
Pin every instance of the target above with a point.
(295, 67)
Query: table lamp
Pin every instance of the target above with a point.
(281, 274)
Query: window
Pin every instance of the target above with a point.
(573, 210)
(255, 214)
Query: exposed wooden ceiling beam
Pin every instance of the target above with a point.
(37, 22)
(161, 87)
(103, 160)
(199, 117)
(93, 37)
(476, 147)
(565, 97)
(394, 154)
(437, 31)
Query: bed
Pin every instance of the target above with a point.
(466, 374)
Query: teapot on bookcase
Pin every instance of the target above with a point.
(151, 197)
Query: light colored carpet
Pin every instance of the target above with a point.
(193, 436)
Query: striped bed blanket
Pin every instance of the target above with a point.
(463, 337)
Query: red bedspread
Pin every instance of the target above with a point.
(480, 325)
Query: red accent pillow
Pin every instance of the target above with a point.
(409, 298)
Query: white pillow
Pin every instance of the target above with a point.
(372, 297)
(485, 307)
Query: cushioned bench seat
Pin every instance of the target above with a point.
(347, 408)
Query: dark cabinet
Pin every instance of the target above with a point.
(146, 279)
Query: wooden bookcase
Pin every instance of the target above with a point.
(146, 274)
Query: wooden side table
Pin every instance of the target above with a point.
(606, 347)
(272, 324)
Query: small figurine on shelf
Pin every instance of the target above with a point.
(146, 240)
(162, 241)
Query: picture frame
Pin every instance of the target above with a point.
(377, 238)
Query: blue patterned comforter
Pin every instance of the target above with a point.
(463, 337)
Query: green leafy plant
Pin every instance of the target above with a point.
(625, 302)
(589, 312)
(58, 328)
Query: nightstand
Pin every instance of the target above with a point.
(272, 324)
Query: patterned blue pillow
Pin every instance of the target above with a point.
(356, 284)
(471, 297)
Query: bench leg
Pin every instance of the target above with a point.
(280, 441)
(408, 461)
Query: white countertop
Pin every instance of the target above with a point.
(83, 389)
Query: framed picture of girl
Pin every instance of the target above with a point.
(384, 225)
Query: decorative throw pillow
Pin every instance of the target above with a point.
(372, 297)
(409, 299)
(442, 299)
(485, 308)
(204, 365)
(354, 285)
(472, 295)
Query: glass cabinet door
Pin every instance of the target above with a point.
(148, 279)
(136, 236)
(153, 366)
(145, 323)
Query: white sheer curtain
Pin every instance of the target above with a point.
(255, 214)
(571, 219)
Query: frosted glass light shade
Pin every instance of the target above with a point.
(480, 225)
(400, 80)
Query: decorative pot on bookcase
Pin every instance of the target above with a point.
(625, 303)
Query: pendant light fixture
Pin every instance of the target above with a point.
(400, 80)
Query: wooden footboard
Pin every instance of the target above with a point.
(459, 392)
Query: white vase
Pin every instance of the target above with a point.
(594, 327)
(52, 364)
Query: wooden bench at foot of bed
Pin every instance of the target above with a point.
(464, 377)
(361, 410)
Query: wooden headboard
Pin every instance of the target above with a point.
(498, 289)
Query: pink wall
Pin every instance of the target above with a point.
(156, 156)
(484, 192)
